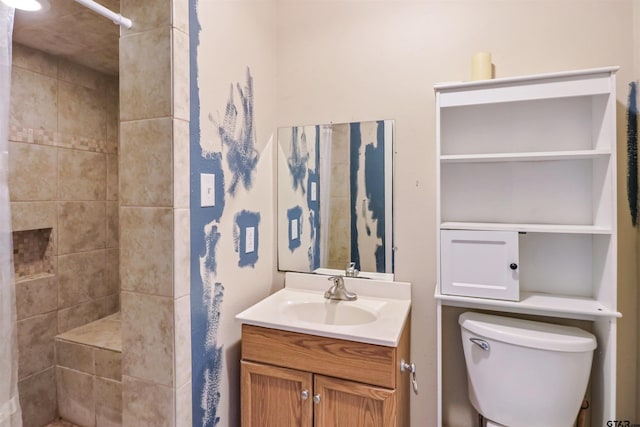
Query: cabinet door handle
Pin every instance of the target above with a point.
(304, 394)
(316, 398)
(513, 266)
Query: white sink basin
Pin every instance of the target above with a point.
(376, 317)
(329, 313)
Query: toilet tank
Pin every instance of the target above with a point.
(523, 373)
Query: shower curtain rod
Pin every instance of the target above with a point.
(100, 9)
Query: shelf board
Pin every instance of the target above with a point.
(475, 84)
(532, 228)
(536, 303)
(524, 157)
(543, 86)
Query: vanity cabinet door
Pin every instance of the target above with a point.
(341, 403)
(275, 397)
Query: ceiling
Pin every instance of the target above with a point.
(72, 31)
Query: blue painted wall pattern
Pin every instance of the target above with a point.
(294, 220)
(374, 190)
(374, 174)
(298, 157)
(208, 227)
(355, 141)
(307, 179)
(242, 156)
(313, 203)
(246, 222)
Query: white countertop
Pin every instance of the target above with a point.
(388, 302)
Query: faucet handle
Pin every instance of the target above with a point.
(351, 270)
(336, 279)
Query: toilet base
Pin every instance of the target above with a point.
(489, 423)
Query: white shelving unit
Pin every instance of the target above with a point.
(531, 159)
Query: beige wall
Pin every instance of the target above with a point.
(63, 176)
(344, 61)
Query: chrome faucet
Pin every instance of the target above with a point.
(351, 270)
(337, 291)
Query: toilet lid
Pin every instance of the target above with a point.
(527, 333)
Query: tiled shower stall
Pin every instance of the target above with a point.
(63, 181)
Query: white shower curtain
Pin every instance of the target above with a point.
(10, 413)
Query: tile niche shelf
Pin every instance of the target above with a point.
(526, 212)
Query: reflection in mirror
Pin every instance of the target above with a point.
(335, 198)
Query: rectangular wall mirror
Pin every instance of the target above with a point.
(335, 198)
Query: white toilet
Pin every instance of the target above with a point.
(523, 373)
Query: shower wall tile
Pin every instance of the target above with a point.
(81, 277)
(108, 398)
(182, 346)
(112, 224)
(147, 337)
(147, 404)
(112, 177)
(181, 165)
(182, 253)
(81, 226)
(34, 60)
(64, 168)
(81, 314)
(33, 216)
(75, 356)
(147, 250)
(38, 398)
(145, 86)
(112, 273)
(146, 163)
(32, 172)
(75, 396)
(147, 15)
(33, 253)
(108, 364)
(340, 180)
(82, 175)
(180, 15)
(181, 75)
(34, 100)
(111, 304)
(35, 343)
(79, 75)
(183, 405)
(113, 113)
(36, 296)
(77, 101)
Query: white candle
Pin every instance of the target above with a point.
(481, 66)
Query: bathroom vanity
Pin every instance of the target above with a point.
(308, 361)
(526, 211)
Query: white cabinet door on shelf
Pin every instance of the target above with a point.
(480, 264)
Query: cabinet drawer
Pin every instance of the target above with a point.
(480, 264)
(366, 363)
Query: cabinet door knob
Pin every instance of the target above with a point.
(513, 266)
(304, 394)
(316, 398)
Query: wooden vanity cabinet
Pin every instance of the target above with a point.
(294, 379)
